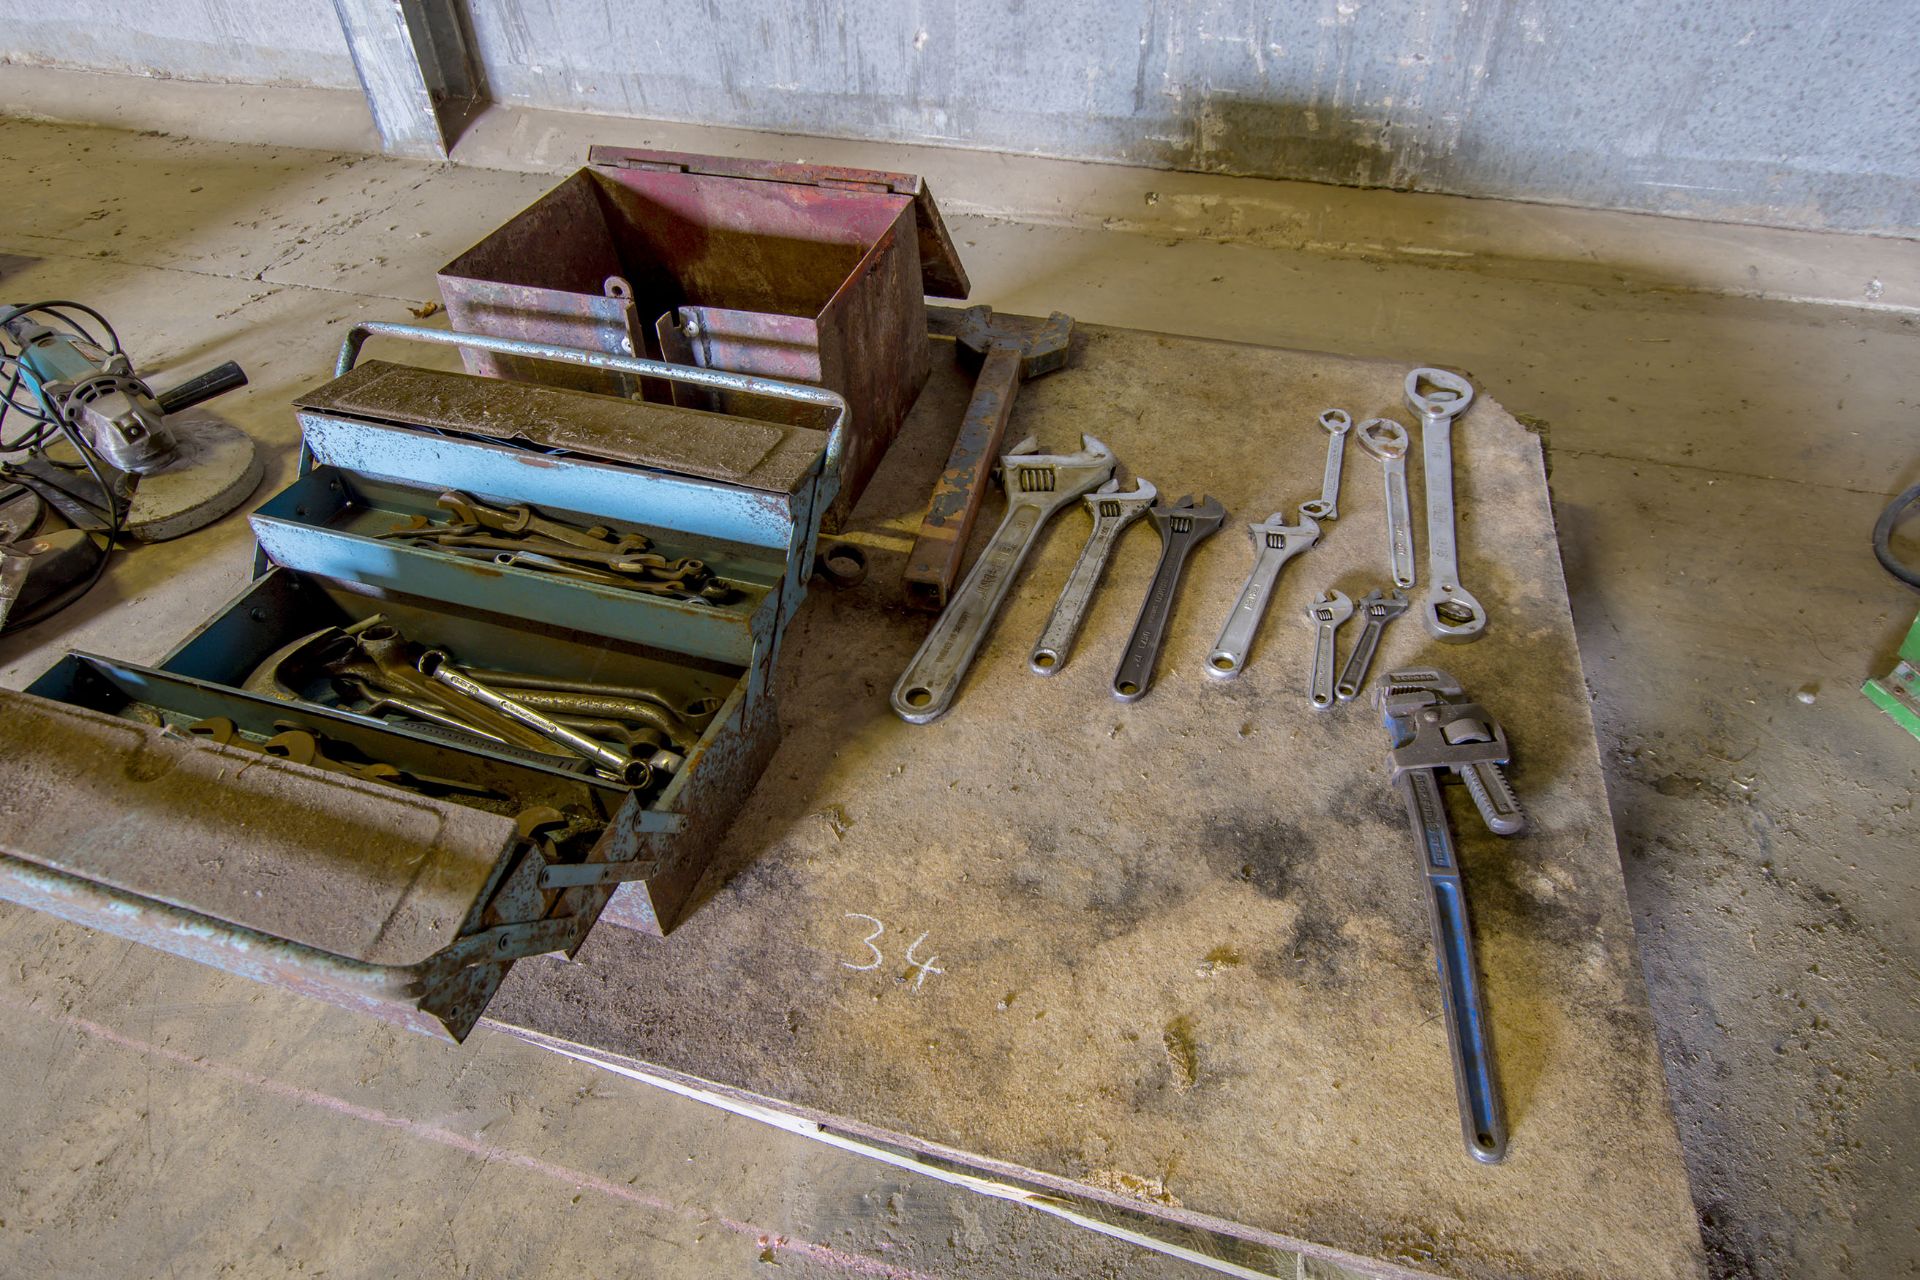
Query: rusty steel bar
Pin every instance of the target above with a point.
(941, 543)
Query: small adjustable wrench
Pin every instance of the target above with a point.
(1038, 487)
(1449, 609)
(1327, 506)
(1326, 614)
(1387, 440)
(1113, 513)
(1378, 610)
(1182, 525)
(1436, 732)
(1274, 543)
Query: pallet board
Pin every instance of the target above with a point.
(1168, 963)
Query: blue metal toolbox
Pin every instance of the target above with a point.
(505, 669)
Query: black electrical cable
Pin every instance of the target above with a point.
(46, 420)
(1883, 537)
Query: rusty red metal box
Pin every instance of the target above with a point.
(794, 271)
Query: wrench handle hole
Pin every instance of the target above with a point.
(1126, 688)
(1044, 658)
(919, 697)
(1222, 662)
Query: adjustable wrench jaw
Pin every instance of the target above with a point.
(1050, 481)
(1038, 486)
(1113, 514)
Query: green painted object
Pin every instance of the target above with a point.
(1898, 692)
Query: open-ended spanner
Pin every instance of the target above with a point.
(1449, 609)
(1038, 486)
(1326, 614)
(1327, 506)
(1182, 526)
(1436, 731)
(1378, 609)
(1274, 543)
(1387, 440)
(1113, 512)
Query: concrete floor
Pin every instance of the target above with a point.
(1717, 463)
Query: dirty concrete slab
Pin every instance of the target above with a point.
(165, 1119)
(1766, 818)
(1777, 1195)
(1188, 933)
(1794, 391)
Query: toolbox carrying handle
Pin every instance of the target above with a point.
(716, 379)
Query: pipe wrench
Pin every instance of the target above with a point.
(1437, 732)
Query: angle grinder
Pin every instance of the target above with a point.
(104, 451)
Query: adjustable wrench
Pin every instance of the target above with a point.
(1182, 526)
(1435, 732)
(1274, 543)
(1326, 614)
(1327, 506)
(1449, 609)
(1038, 487)
(1387, 440)
(1112, 513)
(1378, 610)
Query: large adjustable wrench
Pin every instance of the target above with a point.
(1038, 487)
(1437, 732)
(1274, 543)
(1449, 609)
(1113, 513)
(1182, 526)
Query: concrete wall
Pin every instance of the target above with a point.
(1788, 112)
(295, 42)
(1799, 113)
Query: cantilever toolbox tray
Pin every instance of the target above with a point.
(228, 805)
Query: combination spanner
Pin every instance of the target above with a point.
(1113, 513)
(1038, 487)
(1327, 506)
(1378, 609)
(1449, 609)
(1437, 732)
(1326, 614)
(1387, 440)
(1274, 543)
(1182, 525)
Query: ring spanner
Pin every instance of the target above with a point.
(1038, 487)
(1327, 506)
(1387, 440)
(1113, 513)
(1182, 525)
(1274, 543)
(1449, 609)
(1436, 731)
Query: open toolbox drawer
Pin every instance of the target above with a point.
(283, 797)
